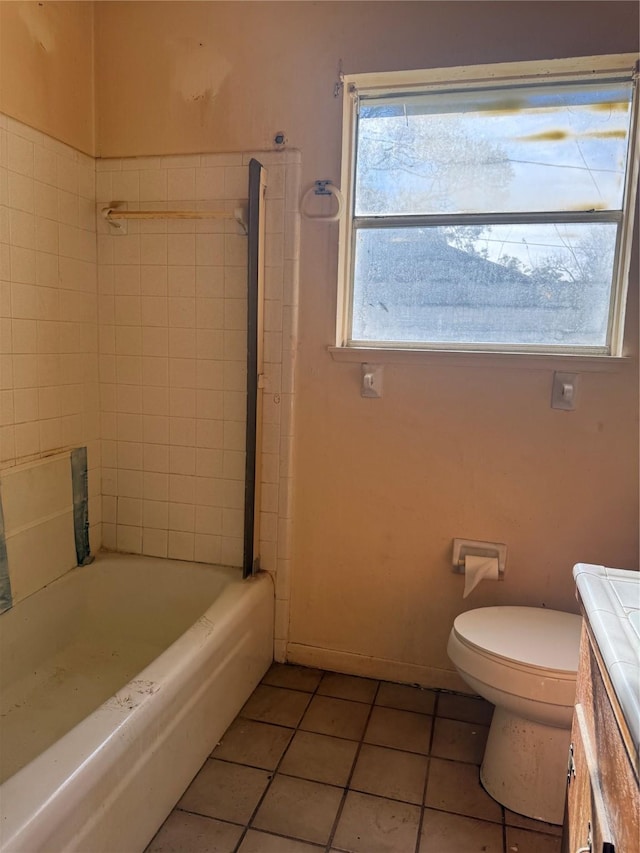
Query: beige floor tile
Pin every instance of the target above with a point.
(459, 741)
(293, 677)
(337, 717)
(513, 819)
(226, 791)
(347, 687)
(298, 808)
(455, 787)
(320, 758)
(261, 842)
(406, 698)
(254, 743)
(452, 833)
(374, 825)
(399, 729)
(471, 709)
(276, 705)
(390, 773)
(523, 841)
(191, 833)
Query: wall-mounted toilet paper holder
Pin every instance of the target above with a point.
(472, 547)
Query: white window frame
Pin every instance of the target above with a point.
(618, 66)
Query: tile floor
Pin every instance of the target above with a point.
(317, 761)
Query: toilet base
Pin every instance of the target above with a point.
(525, 766)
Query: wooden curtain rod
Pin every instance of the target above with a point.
(111, 214)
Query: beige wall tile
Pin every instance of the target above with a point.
(129, 512)
(181, 183)
(210, 183)
(155, 542)
(208, 520)
(129, 539)
(45, 165)
(153, 185)
(180, 545)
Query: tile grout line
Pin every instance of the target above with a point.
(274, 772)
(357, 791)
(423, 804)
(347, 786)
(351, 740)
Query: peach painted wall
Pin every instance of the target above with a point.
(473, 450)
(46, 68)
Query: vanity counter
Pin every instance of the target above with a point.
(603, 806)
(611, 602)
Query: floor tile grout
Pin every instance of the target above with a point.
(426, 777)
(347, 786)
(373, 703)
(275, 769)
(500, 822)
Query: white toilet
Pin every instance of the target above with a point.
(524, 660)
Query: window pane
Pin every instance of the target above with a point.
(518, 149)
(507, 284)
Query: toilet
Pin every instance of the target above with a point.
(524, 660)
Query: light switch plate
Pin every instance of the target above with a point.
(371, 380)
(564, 391)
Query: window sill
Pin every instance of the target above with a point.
(507, 360)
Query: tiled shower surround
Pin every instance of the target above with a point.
(173, 326)
(173, 315)
(135, 344)
(48, 303)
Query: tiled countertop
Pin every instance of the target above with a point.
(611, 599)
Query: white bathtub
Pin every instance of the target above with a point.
(116, 682)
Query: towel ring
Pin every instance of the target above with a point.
(323, 188)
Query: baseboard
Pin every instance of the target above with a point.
(370, 667)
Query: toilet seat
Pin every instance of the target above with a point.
(528, 637)
(524, 652)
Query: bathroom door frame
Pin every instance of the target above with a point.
(255, 366)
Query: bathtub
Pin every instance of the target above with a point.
(117, 680)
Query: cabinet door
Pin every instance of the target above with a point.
(588, 828)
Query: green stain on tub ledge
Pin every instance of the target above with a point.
(6, 600)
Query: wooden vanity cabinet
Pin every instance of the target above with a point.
(603, 808)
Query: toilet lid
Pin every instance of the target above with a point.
(534, 636)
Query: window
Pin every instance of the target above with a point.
(489, 208)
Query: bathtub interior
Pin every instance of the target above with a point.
(69, 647)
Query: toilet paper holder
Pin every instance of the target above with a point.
(472, 547)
